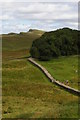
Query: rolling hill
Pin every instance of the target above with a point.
(16, 45)
(26, 92)
(23, 40)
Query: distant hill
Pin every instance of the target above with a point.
(21, 41)
(61, 42)
(40, 32)
(12, 33)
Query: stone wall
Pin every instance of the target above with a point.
(63, 86)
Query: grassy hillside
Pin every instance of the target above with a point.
(27, 93)
(16, 45)
(63, 69)
(13, 42)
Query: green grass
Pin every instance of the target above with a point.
(27, 93)
(21, 41)
(64, 68)
(9, 55)
(18, 45)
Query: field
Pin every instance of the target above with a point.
(22, 41)
(18, 45)
(27, 93)
(64, 69)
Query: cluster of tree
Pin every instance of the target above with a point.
(62, 42)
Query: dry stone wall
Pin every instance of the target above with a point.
(67, 88)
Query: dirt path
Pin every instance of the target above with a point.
(67, 88)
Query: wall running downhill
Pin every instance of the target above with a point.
(48, 75)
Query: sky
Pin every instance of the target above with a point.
(17, 16)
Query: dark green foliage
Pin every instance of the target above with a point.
(35, 53)
(53, 44)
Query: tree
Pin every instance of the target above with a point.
(53, 44)
(34, 52)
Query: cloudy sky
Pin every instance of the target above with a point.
(22, 16)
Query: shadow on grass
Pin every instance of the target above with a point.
(24, 57)
(19, 58)
(24, 116)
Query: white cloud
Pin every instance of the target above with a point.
(40, 11)
(46, 16)
(39, 0)
(6, 17)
